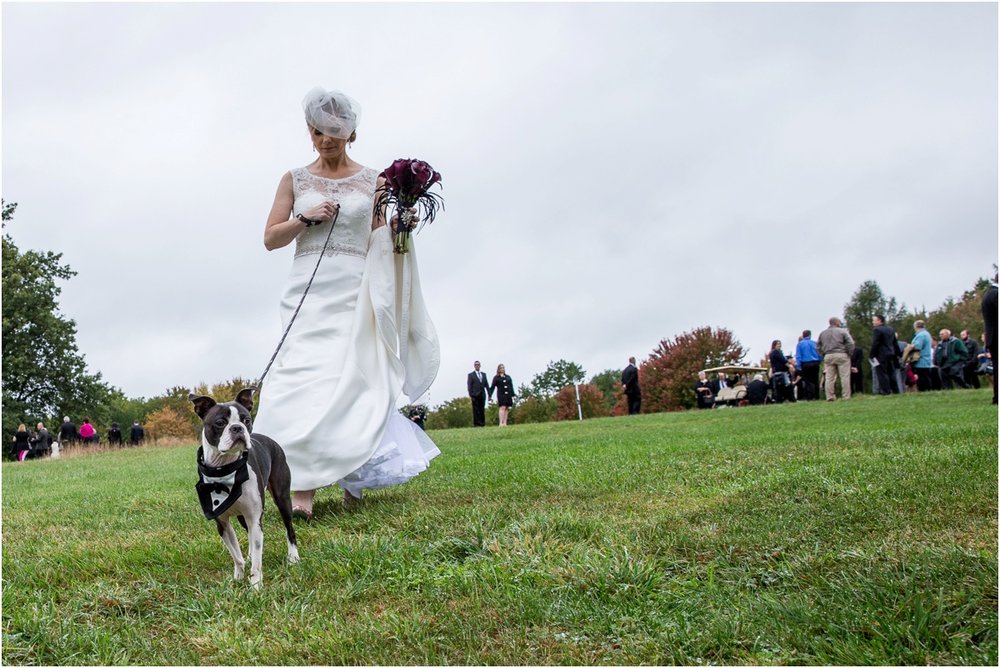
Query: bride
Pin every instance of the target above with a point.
(362, 336)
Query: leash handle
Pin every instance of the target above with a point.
(305, 292)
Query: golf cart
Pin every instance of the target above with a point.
(737, 376)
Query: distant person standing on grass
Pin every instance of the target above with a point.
(950, 358)
(22, 443)
(504, 387)
(971, 359)
(989, 308)
(137, 434)
(630, 385)
(67, 432)
(836, 346)
(886, 353)
(781, 383)
(857, 378)
(922, 367)
(703, 392)
(478, 388)
(807, 360)
(41, 442)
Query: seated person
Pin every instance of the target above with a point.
(720, 383)
(757, 390)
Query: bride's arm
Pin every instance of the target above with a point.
(281, 229)
(378, 220)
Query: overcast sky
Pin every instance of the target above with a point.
(614, 174)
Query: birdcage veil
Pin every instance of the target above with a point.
(331, 112)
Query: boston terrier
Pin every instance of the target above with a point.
(234, 466)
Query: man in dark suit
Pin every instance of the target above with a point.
(136, 434)
(67, 432)
(630, 384)
(971, 358)
(478, 392)
(885, 351)
(720, 383)
(989, 307)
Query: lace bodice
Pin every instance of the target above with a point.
(355, 194)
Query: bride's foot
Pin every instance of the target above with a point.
(302, 504)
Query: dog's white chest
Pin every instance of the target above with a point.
(250, 504)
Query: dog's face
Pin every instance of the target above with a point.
(225, 426)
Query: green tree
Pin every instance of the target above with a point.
(452, 414)
(44, 374)
(124, 410)
(609, 382)
(557, 375)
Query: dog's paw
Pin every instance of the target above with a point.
(238, 573)
(293, 554)
(256, 583)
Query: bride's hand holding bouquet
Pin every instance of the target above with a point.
(406, 188)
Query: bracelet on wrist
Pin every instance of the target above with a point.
(309, 222)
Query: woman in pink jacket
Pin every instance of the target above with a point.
(87, 432)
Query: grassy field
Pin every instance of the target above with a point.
(860, 532)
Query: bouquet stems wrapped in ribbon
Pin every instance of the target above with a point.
(407, 185)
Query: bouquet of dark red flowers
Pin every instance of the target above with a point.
(407, 186)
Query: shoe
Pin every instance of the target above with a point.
(351, 501)
(303, 512)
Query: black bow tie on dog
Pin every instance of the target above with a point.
(218, 488)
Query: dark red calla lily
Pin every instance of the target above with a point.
(407, 184)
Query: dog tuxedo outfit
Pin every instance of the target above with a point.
(219, 488)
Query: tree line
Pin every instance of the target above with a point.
(45, 375)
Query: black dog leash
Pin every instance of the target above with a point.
(329, 234)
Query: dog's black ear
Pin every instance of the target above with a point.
(201, 404)
(245, 398)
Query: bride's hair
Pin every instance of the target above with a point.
(331, 112)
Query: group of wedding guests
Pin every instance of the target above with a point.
(88, 435)
(38, 444)
(920, 365)
(30, 445)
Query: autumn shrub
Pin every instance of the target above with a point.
(168, 422)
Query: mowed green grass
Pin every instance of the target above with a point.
(861, 532)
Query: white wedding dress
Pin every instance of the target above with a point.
(361, 339)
